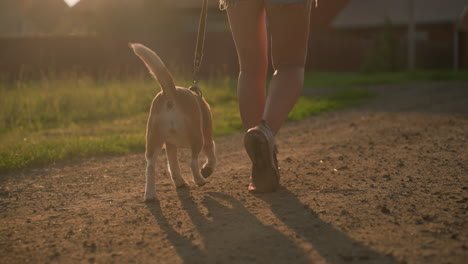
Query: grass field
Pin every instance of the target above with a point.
(73, 116)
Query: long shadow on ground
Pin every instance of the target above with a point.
(332, 244)
(225, 240)
(232, 234)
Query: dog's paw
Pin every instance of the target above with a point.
(207, 171)
(200, 181)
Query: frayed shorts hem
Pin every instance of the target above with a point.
(224, 3)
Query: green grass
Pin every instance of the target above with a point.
(62, 118)
(352, 79)
(347, 97)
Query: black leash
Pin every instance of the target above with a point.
(197, 61)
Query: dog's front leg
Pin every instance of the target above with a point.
(173, 166)
(198, 179)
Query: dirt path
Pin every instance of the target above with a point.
(386, 182)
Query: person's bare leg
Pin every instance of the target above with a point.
(247, 21)
(284, 90)
(289, 29)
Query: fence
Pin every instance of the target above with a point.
(97, 55)
(104, 55)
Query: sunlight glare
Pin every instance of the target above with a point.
(71, 2)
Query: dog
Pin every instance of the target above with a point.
(178, 118)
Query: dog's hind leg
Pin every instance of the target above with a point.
(150, 191)
(173, 166)
(198, 179)
(153, 146)
(210, 151)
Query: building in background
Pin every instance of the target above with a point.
(440, 27)
(346, 35)
(32, 17)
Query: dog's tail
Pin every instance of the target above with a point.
(156, 67)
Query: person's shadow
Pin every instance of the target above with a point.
(226, 239)
(333, 245)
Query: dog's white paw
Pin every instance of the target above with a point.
(199, 181)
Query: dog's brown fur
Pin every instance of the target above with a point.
(179, 118)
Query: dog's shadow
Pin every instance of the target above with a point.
(184, 246)
(230, 233)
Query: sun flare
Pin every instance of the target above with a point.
(71, 2)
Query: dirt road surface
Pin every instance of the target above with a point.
(385, 182)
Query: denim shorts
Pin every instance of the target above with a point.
(222, 3)
(276, 1)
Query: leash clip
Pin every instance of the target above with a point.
(194, 88)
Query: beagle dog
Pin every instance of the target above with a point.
(178, 118)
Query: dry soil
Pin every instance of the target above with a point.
(385, 182)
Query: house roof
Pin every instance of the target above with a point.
(19, 17)
(371, 13)
(322, 16)
(25, 5)
(92, 5)
(192, 3)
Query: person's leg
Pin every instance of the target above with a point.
(247, 21)
(289, 30)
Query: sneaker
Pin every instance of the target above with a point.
(260, 145)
